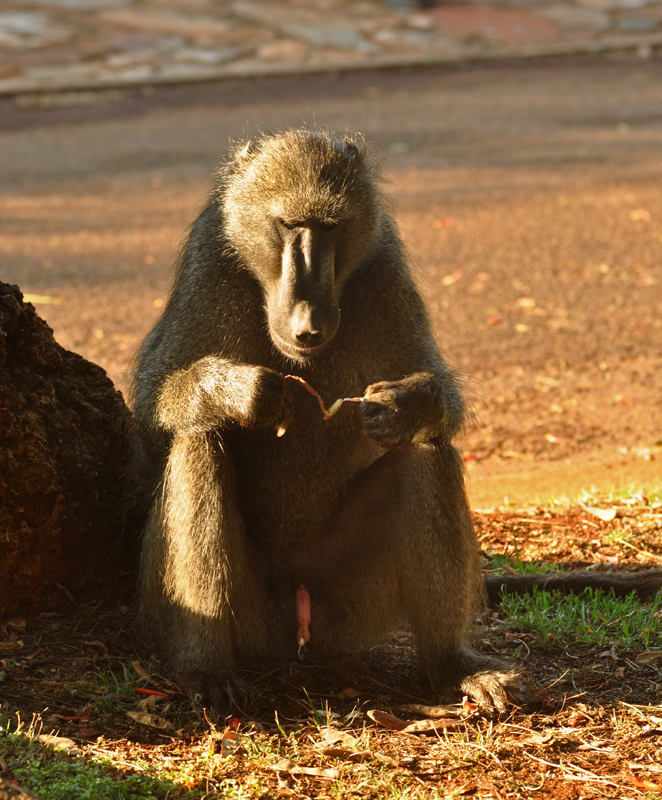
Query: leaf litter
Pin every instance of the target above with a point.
(592, 729)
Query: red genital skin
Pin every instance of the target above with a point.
(302, 600)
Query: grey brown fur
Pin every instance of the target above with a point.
(295, 266)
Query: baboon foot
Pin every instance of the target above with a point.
(214, 696)
(492, 688)
(484, 680)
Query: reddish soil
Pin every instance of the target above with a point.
(535, 222)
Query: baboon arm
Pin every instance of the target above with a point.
(429, 393)
(644, 584)
(215, 392)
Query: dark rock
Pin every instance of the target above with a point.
(64, 457)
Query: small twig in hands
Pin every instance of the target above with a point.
(335, 406)
(327, 413)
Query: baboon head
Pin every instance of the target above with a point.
(301, 209)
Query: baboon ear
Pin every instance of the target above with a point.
(246, 151)
(352, 150)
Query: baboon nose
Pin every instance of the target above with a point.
(309, 338)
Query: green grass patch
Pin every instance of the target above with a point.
(500, 563)
(55, 774)
(592, 618)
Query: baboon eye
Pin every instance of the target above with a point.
(329, 226)
(290, 223)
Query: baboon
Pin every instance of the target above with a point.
(296, 266)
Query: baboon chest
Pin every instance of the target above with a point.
(289, 488)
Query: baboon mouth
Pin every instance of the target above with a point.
(293, 350)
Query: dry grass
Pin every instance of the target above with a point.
(593, 729)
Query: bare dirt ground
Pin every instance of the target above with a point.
(529, 198)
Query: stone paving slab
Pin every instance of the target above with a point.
(59, 45)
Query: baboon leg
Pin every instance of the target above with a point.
(408, 549)
(202, 586)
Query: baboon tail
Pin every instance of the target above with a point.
(644, 583)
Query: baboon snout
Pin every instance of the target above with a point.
(303, 327)
(309, 325)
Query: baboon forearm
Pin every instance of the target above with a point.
(212, 393)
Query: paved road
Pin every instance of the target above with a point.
(529, 196)
(48, 45)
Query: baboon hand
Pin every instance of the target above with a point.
(389, 413)
(267, 397)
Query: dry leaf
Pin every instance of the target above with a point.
(149, 703)
(605, 514)
(231, 742)
(653, 658)
(75, 718)
(87, 733)
(285, 765)
(58, 742)
(432, 726)
(64, 589)
(435, 712)
(358, 756)
(9, 648)
(336, 752)
(388, 720)
(645, 786)
(98, 644)
(536, 739)
(426, 726)
(577, 719)
(333, 736)
(138, 667)
(151, 720)
(391, 762)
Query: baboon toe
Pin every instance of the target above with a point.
(212, 696)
